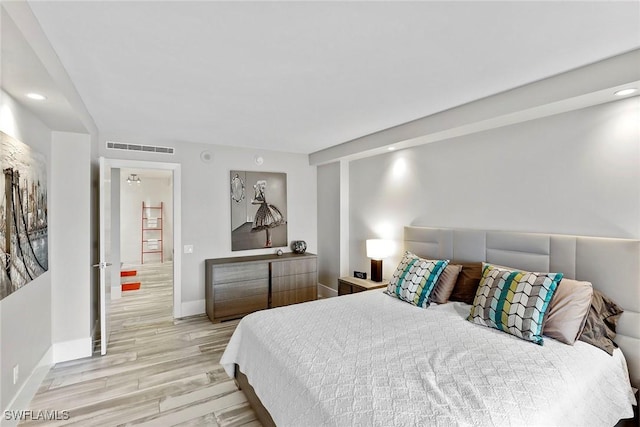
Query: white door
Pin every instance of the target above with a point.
(105, 252)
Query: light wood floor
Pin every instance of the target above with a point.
(157, 371)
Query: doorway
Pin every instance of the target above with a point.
(158, 174)
(146, 223)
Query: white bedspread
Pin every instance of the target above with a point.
(371, 360)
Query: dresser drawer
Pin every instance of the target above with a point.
(240, 272)
(344, 289)
(239, 307)
(287, 283)
(295, 266)
(245, 289)
(279, 299)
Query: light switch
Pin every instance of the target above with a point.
(188, 249)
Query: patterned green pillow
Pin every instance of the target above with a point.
(514, 301)
(415, 278)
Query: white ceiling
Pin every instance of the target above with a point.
(22, 72)
(303, 76)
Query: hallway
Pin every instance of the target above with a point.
(157, 372)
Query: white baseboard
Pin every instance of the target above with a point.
(326, 292)
(28, 390)
(192, 308)
(72, 350)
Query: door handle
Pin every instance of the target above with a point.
(102, 265)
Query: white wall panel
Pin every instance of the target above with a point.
(70, 240)
(329, 224)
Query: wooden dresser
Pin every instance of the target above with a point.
(241, 285)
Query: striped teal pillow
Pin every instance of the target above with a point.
(514, 301)
(415, 278)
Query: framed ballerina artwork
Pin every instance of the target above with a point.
(258, 210)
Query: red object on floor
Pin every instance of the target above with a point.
(131, 286)
(128, 273)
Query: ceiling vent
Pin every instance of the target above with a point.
(137, 147)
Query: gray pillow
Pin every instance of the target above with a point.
(446, 282)
(600, 327)
(568, 311)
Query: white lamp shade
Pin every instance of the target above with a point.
(379, 248)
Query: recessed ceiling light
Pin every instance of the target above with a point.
(624, 92)
(36, 96)
(391, 148)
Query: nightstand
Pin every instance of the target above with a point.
(351, 285)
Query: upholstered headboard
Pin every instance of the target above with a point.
(611, 265)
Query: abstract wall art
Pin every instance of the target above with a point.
(24, 241)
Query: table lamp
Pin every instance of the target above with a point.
(377, 249)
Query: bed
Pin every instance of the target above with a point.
(370, 359)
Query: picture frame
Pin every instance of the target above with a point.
(258, 210)
(24, 236)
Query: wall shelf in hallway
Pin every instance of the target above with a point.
(152, 230)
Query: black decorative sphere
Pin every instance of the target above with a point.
(299, 246)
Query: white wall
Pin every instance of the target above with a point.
(25, 315)
(206, 211)
(70, 219)
(151, 191)
(329, 224)
(573, 173)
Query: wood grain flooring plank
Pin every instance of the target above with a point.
(174, 374)
(208, 420)
(168, 403)
(97, 363)
(115, 416)
(174, 417)
(235, 416)
(51, 397)
(217, 375)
